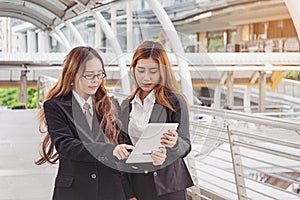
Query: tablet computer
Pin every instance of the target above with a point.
(149, 141)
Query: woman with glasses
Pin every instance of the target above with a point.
(156, 99)
(81, 127)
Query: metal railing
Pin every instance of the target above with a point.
(44, 84)
(289, 87)
(243, 156)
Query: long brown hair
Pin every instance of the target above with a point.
(168, 83)
(103, 104)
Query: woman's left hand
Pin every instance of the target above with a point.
(159, 157)
(121, 151)
(170, 139)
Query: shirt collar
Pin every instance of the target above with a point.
(81, 101)
(150, 97)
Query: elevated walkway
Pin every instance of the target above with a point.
(233, 154)
(207, 69)
(20, 178)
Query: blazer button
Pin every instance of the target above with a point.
(93, 176)
(154, 173)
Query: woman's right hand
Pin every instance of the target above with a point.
(121, 151)
(159, 157)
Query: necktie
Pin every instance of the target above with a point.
(87, 114)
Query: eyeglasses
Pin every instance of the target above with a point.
(93, 76)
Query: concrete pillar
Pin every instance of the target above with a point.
(22, 97)
(98, 36)
(9, 35)
(239, 33)
(47, 41)
(245, 32)
(230, 97)
(218, 91)
(262, 91)
(43, 42)
(113, 20)
(251, 35)
(129, 27)
(31, 41)
(21, 42)
(247, 94)
(203, 41)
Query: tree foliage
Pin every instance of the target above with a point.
(9, 97)
(294, 75)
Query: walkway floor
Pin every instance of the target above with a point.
(20, 178)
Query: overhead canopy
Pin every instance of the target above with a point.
(186, 16)
(47, 14)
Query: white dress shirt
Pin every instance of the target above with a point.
(81, 102)
(140, 115)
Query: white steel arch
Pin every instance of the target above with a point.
(63, 39)
(117, 49)
(294, 9)
(56, 37)
(186, 81)
(75, 32)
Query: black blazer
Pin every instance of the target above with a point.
(80, 175)
(173, 175)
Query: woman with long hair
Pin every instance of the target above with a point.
(156, 99)
(81, 127)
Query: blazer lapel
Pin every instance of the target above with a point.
(82, 127)
(158, 114)
(97, 131)
(66, 105)
(74, 113)
(124, 115)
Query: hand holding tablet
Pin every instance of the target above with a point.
(149, 141)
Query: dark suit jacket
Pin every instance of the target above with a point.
(173, 175)
(81, 175)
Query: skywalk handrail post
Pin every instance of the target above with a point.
(236, 165)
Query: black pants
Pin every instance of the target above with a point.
(144, 189)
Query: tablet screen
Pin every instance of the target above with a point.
(149, 141)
